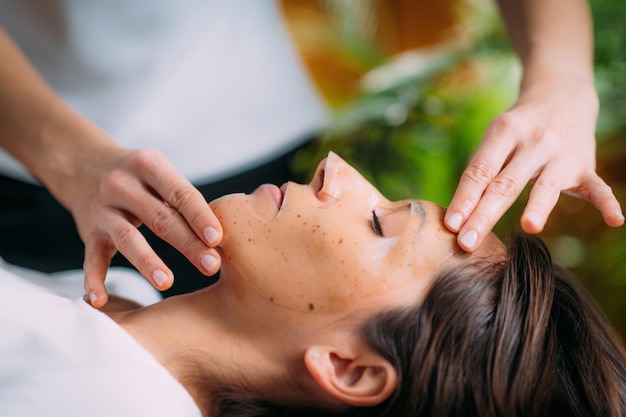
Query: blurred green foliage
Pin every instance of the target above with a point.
(413, 133)
(610, 65)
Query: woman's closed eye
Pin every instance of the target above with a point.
(376, 224)
(395, 221)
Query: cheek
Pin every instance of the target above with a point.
(305, 263)
(315, 270)
(382, 257)
(303, 266)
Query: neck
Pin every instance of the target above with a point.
(195, 337)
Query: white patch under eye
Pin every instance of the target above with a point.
(378, 248)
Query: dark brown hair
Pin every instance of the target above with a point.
(512, 337)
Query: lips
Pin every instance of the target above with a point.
(275, 194)
(283, 191)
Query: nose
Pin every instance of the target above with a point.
(339, 179)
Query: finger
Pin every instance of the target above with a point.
(483, 167)
(190, 203)
(498, 197)
(180, 194)
(542, 199)
(133, 245)
(601, 196)
(96, 264)
(170, 226)
(165, 221)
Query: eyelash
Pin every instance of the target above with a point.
(376, 224)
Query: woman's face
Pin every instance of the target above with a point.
(335, 244)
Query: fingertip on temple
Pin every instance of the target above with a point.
(454, 222)
(469, 240)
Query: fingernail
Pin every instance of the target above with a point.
(93, 297)
(619, 214)
(211, 235)
(469, 239)
(159, 277)
(454, 221)
(208, 262)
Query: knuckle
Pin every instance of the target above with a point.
(123, 236)
(89, 263)
(607, 189)
(189, 246)
(478, 172)
(548, 184)
(484, 219)
(98, 248)
(505, 125)
(143, 262)
(161, 219)
(180, 195)
(145, 159)
(543, 137)
(112, 182)
(195, 219)
(505, 187)
(145, 156)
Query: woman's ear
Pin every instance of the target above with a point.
(362, 379)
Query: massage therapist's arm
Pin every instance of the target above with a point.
(109, 190)
(548, 136)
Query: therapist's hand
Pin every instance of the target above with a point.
(548, 138)
(109, 190)
(118, 189)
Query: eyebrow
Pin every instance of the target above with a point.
(418, 208)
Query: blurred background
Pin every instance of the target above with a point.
(413, 85)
